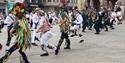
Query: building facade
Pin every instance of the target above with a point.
(54, 4)
(2, 5)
(34, 3)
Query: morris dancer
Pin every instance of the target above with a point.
(10, 20)
(46, 34)
(64, 26)
(78, 23)
(22, 31)
(119, 15)
(35, 20)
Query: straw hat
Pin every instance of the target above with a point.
(41, 12)
(37, 9)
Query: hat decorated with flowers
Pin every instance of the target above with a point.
(19, 10)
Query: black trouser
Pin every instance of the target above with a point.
(11, 50)
(111, 24)
(0, 46)
(85, 24)
(31, 24)
(108, 23)
(9, 35)
(1, 26)
(97, 26)
(66, 37)
(50, 20)
(90, 24)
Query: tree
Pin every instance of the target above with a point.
(96, 4)
(112, 1)
(88, 3)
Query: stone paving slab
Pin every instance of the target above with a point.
(108, 47)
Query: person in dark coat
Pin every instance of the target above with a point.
(84, 23)
(98, 23)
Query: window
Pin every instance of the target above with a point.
(27, 0)
(54, 0)
(34, 1)
(39, 1)
(49, 0)
(43, 0)
(71, 1)
(75, 1)
(57, 0)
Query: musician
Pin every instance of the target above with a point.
(10, 21)
(85, 19)
(64, 29)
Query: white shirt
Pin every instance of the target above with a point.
(113, 15)
(35, 18)
(10, 19)
(70, 16)
(50, 15)
(119, 13)
(30, 17)
(79, 19)
(42, 19)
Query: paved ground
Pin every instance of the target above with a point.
(108, 47)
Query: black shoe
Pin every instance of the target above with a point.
(106, 30)
(67, 48)
(0, 46)
(50, 47)
(57, 51)
(24, 61)
(90, 29)
(80, 35)
(112, 28)
(72, 35)
(81, 41)
(44, 54)
(7, 50)
(83, 31)
(8, 44)
(34, 44)
(37, 39)
(97, 33)
(27, 62)
(1, 60)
